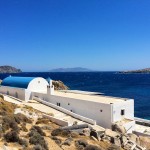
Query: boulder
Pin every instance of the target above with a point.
(68, 141)
(118, 127)
(134, 138)
(111, 133)
(97, 134)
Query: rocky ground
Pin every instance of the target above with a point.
(24, 128)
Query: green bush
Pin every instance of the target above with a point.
(11, 136)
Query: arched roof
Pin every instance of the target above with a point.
(19, 82)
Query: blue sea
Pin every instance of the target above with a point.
(134, 86)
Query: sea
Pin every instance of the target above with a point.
(132, 86)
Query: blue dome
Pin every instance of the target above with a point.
(19, 82)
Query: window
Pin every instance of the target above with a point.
(68, 103)
(38, 81)
(16, 95)
(101, 110)
(58, 104)
(122, 112)
(7, 92)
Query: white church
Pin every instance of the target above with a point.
(102, 110)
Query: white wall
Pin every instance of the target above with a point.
(38, 85)
(128, 106)
(85, 108)
(12, 91)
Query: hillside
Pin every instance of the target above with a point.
(9, 69)
(147, 70)
(25, 128)
(76, 69)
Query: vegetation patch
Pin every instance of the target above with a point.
(42, 121)
(60, 132)
(11, 136)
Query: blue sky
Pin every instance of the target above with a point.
(106, 35)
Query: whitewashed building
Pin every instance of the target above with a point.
(104, 110)
(23, 87)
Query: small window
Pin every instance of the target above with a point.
(68, 103)
(7, 92)
(101, 110)
(38, 81)
(58, 104)
(16, 95)
(122, 112)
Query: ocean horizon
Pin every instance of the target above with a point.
(132, 86)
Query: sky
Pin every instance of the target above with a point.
(104, 35)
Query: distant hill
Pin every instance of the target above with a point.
(77, 69)
(9, 69)
(147, 70)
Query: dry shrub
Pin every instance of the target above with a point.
(2, 97)
(38, 130)
(42, 121)
(6, 107)
(81, 144)
(19, 118)
(60, 132)
(74, 134)
(36, 138)
(11, 136)
(92, 147)
(23, 142)
(9, 122)
(23, 128)
(46, 128)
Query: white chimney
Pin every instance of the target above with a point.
(50, 88)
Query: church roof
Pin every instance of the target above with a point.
(19, 82)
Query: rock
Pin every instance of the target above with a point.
(118, 127)
(81, 144)
(123, 139)
(86, 131)
(59, 85)
(111, 133)
(93, 138)
(134, 138)
(68, 141)
(97, 134)
(117, 142)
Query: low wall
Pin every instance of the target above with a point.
(143, 122)
(90, 121)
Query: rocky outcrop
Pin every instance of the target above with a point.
(9, 69)
(147, 70)
(59, 85)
